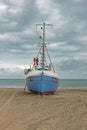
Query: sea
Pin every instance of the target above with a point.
(63, 83)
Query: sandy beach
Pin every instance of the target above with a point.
(65, 110)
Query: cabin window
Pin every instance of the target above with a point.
(54, 79)
(29, 78)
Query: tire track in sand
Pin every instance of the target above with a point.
(8, 101)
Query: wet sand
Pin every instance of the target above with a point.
(65, 110)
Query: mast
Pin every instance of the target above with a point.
(43, 26)
(43, 47)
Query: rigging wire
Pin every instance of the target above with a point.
(50, 59)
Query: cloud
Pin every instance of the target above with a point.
(75, 67)
(83, 38)
(67, 37)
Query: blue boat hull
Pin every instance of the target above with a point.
(42, 84)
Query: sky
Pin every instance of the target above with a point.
(67, 38)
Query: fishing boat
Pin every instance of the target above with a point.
(41, 77)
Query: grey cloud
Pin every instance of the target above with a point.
(18, 43)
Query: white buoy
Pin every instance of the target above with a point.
(26, 71)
